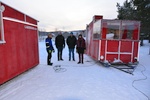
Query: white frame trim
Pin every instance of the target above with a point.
(119, 53)
(2, 8)
(99, 49)
(138, 51)
(19, 21)
(128, 53)
(132, 50)
(119, 48)
(105, 50)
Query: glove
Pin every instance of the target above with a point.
(49, 51)
(53, 51)
(84, 51)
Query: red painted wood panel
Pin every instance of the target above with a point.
(126, 58)
(126, 46)
(11, 13)
(111, 57)
(20, 52)
(112, 46)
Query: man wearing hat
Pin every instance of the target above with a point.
(49, 48)
(71, 42)
(60, 44)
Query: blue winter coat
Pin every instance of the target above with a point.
(49, 45)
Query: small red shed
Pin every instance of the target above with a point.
(18, 42)
(113, 41)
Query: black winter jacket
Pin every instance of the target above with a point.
(60, 41)
(71, 42)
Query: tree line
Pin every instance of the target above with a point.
(136, 10)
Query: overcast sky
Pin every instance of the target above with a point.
(65, 15)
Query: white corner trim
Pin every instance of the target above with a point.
(1, 42)
(19, 21)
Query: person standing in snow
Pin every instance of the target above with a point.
(71, 42)
(60, 44)
(81, 48)
(49, 48)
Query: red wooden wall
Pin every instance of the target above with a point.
(20, 52)
(103, 49)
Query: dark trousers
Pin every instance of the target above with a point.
(80, 57)
(59, 53)
(49, 58)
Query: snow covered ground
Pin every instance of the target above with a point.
(88, 81)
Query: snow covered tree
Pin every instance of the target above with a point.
(136, 10)
(127, 11)
(143, 12)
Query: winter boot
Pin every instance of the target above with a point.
(50, 64)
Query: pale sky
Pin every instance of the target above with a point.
(65, 15)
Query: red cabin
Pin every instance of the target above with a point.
(18, 42)
(113, 41)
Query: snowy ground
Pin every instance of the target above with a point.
(88, 81)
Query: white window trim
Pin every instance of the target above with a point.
(2, 8)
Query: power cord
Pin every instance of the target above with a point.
(141, 80)
(58, 69)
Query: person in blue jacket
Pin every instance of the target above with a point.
(49, 48)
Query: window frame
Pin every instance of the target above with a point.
(2, 39)
(111, 28)
(125, 26)
(97, 28)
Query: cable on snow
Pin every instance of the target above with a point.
(145, 78)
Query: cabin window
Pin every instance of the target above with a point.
(113, 30)
(97, 30)
(1, 25)
(127, 30)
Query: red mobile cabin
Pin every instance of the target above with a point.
(113, 41)
(18, 42)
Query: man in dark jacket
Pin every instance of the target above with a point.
(49, 48)
(60, 44)
(71, 42)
